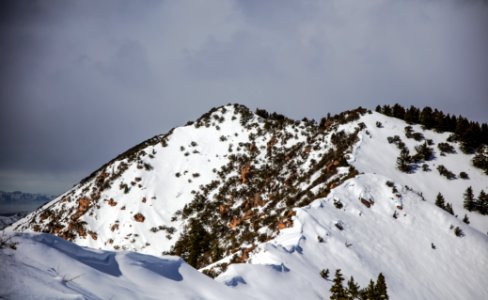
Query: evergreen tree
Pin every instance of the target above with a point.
(441, 122)
(408, 117)
(381, 289)
(371, 291)
(352, 289)
(386, 110)
(194, 244)
(398, 111)
(471, 138)
(424, 151)
(449, 209)
(412, 115)
(452, 123)
(466, 219)
(482, 203)
(484, 133)
(426, 117)
(439, 201)
(403, 161)
(480, 160)
(337, 291)
(461, 126)
(469, 203)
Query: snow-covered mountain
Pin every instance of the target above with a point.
(264, 203)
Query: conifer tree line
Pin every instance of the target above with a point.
(351, 290)
(479, 204)
(472, 136)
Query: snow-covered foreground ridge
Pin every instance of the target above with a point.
(47, 267)
(264, 203)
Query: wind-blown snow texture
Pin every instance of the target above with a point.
(47, 267)
(395, 235)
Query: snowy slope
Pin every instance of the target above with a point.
(135, 201)
(372, 241)
(374, 155)
(46, 267)
(267, 191)
(288, 267)
(178, 165)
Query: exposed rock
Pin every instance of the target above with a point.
(93, 234)
(139, 217)
(111, 202)
(84, 204)
(367, 203)
(114, 227)
(234, 223)
(245, 169)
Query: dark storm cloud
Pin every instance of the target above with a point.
(82, 81)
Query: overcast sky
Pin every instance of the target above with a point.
(82, 81)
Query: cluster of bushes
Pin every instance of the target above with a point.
(405, 161)
(424, 153)
(445, 172)
(410, 134)
(446, 148)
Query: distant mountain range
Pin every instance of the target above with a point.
(14, 202)
(270, 208)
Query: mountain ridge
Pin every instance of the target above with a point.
(236, 189)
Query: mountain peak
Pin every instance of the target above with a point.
(237, 186)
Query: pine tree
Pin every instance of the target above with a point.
(461, 126)
(426, 117)
(403, 161)
(352, 289)
(449, 209)
(466, 219)
(480, 160)
(381, 289)
(386, 110)
(469, 199)
(398, 111)
(482, 203)
(337, 291)
(198, 241)
(441, 122)
(424, 151)
(412, 115)
(439, 201)
(371, 291)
